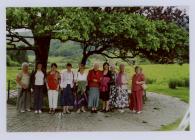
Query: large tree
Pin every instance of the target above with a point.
(106, 31)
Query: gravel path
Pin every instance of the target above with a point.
(158, 110)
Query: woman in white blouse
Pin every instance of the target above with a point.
(67, 82)
(38, 86)
(81, 82)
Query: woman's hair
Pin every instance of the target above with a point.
(69, 65)
(54, 64)
(81, 66)
(137, 67)
(24, 64)
(106, 63)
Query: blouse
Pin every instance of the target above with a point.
(67, 78)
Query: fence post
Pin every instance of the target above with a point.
(8, 90)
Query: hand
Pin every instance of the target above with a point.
(24, 86)
(94, 80)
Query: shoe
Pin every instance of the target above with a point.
(121, 111)
(92, 111)
(28, 110)
(103, 110)
(53, 112)
(22, 111)
(139, 112)
(78, 111)
(50, 111)
(95, 111)
(68, 112)
(83, 110)
(133, 111)
(36, 111)
(40, 111)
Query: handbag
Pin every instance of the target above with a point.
(144, 86)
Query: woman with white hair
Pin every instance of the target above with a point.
(122, 99)
(93, 79)
(23, 82)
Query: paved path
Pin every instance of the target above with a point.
(158, 110)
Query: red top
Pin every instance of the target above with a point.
(52, 80)
(137, 78)
(94, 75)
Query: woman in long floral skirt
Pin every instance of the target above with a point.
(122, 99)
(81, 82)
(113, 93)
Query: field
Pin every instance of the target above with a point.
(157, 75)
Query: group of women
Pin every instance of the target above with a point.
(80, 89)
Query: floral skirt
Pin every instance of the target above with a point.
(122, 98)
(113, 95)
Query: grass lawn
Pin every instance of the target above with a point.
(180, 92)
(173, 126)
(160, 73)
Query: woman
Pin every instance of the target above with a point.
(81, 82)
(23, 82)
(53, 80)
(137, 90)
(67, 82)
(38, 87)
(113, 94)
(93, 78)
(105, 87)
(122, 89)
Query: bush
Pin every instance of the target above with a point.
(180, 83)
(150, 81)
(172, 84)
(186, 82)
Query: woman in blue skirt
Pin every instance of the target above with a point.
(67, 82)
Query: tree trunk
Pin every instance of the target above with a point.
(84, 59)
(42, 50)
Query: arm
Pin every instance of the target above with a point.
(18, 81)
(62, 80)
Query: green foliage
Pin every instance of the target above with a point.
(172, 84)
(127, 33)
(15, 58)
(150, 81)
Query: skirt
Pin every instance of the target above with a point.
(93, 99)
(67, 98)
(105, 95)
(122, 99)
(113, 95)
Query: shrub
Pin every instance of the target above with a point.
(180, 83)
(186, 82)
(150, 81)
(172, 84)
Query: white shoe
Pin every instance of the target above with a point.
(28, 110)
(121, 110)
(22, 111)
(40, 111)
(36, 111)
(133, 111)
(78, 111)
(139, 112)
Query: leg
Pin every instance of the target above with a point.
(139, 96)
(28, 100)
(50, 100)
(36, 98)
(40, 98)
(55, 99)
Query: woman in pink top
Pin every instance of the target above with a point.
(137, 90)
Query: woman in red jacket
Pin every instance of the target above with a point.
(137, 90)
(93, 78)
